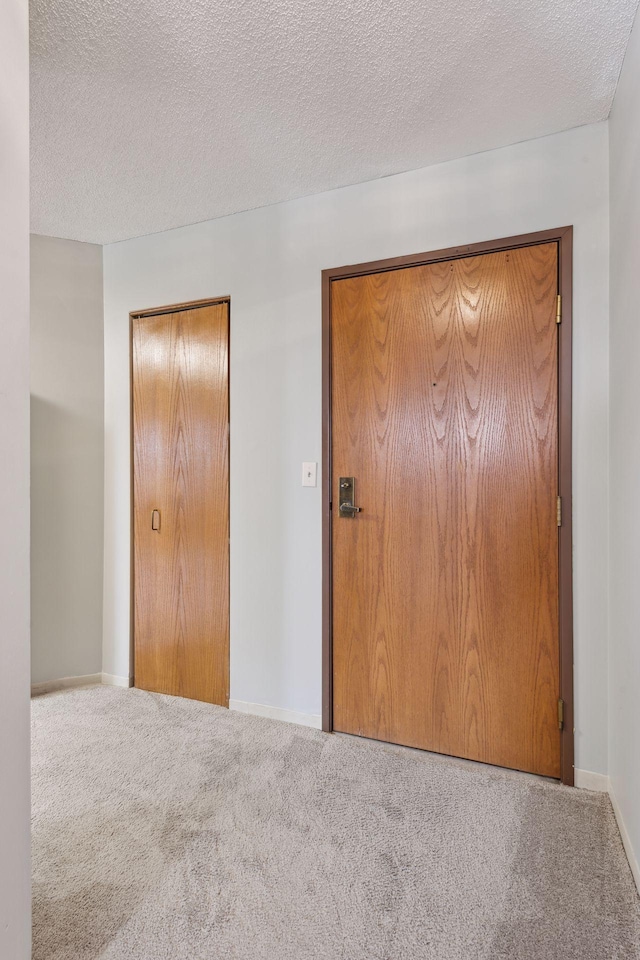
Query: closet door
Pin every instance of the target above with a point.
(180, 397)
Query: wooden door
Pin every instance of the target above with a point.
(181, 470)
(445, 587)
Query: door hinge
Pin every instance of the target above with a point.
(560, 713)
(559, 511)
(559, 309)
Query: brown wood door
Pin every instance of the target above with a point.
(445, 587)
(181, 470)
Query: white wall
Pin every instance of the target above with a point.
(15, 909)
(67, 463)
(624, 712)
(269, 261)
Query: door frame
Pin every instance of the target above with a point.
(156, 312)
(564, 238)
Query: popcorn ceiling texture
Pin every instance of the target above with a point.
(151, 114)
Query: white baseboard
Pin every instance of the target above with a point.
(64, 683)
(626, 841)
(586, 780)
(114, 681)
(277, 713)
(67, 683)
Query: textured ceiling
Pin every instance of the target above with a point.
(151, 114)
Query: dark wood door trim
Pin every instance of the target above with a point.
(178, 307)
(133, 316)
(564, 238)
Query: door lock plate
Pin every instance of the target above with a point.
(346, 497)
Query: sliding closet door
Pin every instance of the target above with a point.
(180, 418)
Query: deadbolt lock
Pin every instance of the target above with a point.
(346, 497)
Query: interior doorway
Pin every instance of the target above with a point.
(447, 502)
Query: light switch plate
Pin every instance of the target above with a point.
(309, 473)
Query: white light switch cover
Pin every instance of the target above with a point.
(309, 474)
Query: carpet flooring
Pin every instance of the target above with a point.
(166, 828)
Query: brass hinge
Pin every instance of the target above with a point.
(558, 309)
(559, 511)
(560, 713)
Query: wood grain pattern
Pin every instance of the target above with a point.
(180, 467)
(445, 588)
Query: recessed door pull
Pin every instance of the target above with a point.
(347, 493)
(155, 520)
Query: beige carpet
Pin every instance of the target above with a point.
(165, 828)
